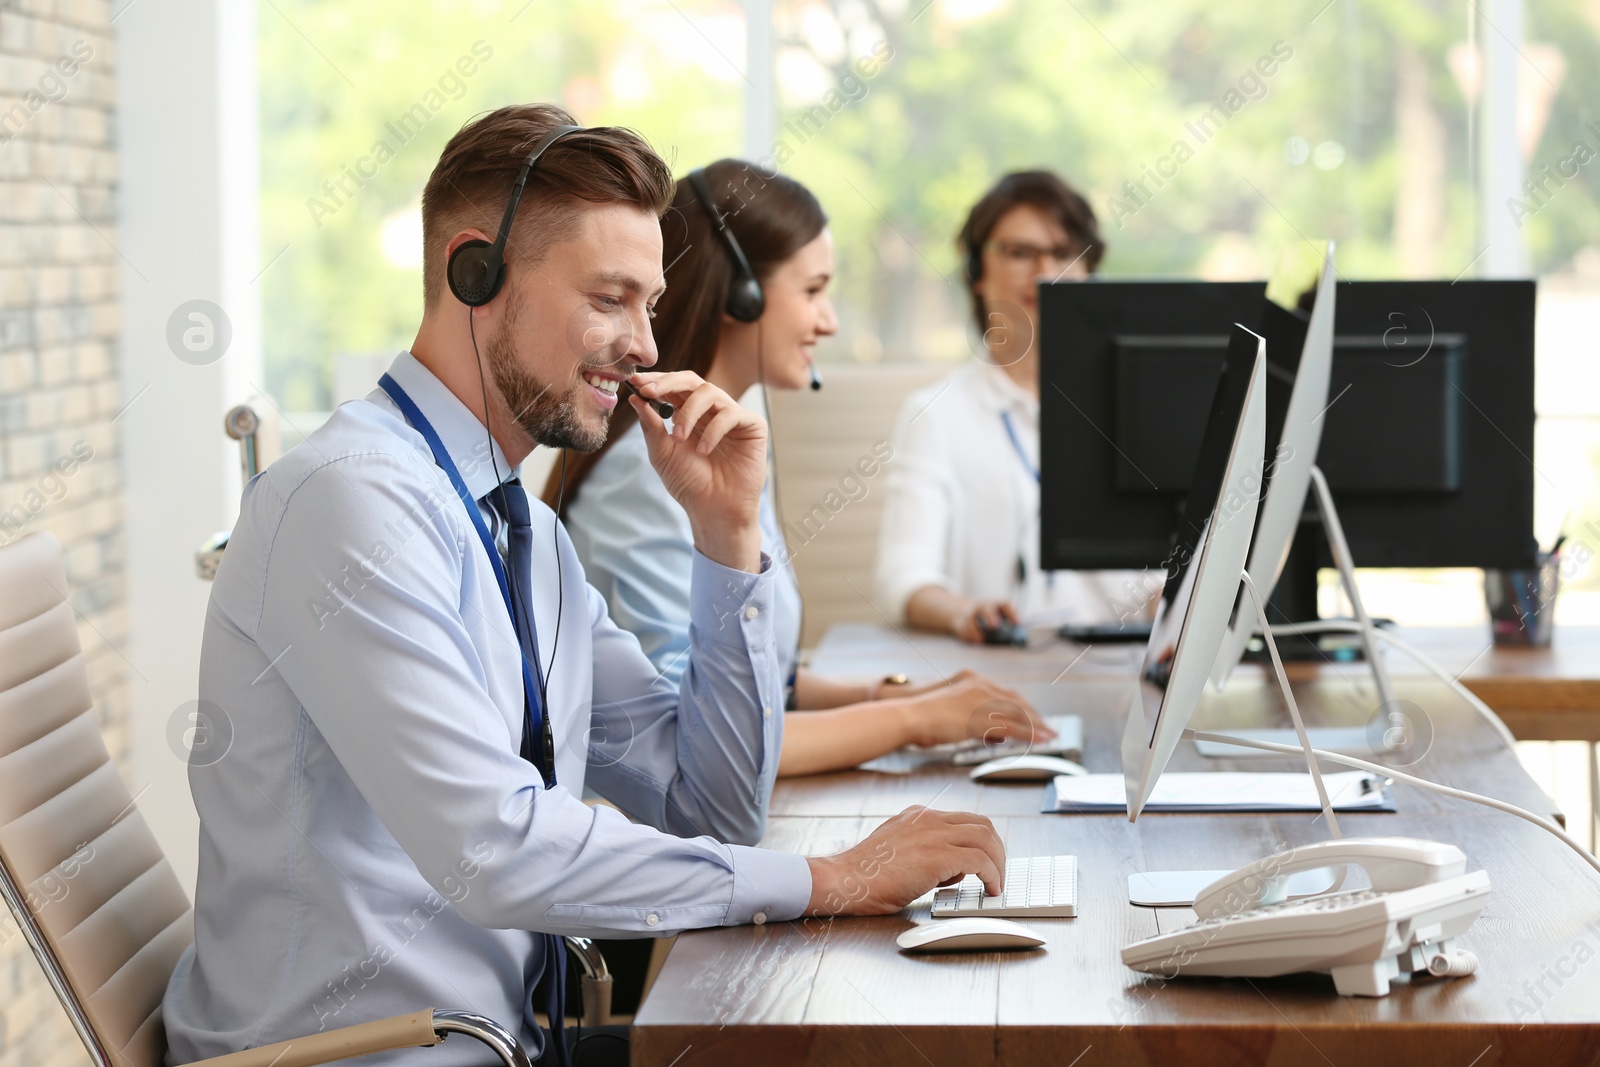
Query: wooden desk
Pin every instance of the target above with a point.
(840, 992)
(1543, 694)
(1453, 747)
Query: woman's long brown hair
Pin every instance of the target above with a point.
(772, 216)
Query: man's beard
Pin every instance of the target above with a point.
(543, 414)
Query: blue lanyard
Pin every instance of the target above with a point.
(420, 423)
(1016, 446)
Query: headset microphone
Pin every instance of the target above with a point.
(661, 407)
(816, 378)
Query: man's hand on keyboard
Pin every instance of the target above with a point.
(903, 859)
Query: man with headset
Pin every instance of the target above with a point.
(419, 682)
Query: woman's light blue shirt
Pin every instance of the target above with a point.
(637, 549)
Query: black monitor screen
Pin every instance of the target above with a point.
(1428, 441)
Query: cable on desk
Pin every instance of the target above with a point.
(1342, 626)
(1400, 776)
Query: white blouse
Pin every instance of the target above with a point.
(962, 509)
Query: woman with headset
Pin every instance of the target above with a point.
(748, 260)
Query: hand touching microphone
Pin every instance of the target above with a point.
(713, 462)
(662, 408)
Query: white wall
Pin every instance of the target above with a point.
(187, 131)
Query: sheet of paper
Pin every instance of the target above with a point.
(1222, 791)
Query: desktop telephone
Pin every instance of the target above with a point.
(1420, 901)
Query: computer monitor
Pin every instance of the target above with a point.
(1288, 470)
(1189, 624)
(1425, 440)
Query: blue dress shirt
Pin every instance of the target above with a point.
(371, 843)
(636, 546)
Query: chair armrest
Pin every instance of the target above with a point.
(589, 958)
(416, 1030)
(596, 984)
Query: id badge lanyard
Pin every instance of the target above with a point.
(537, 724)
(1033, 472)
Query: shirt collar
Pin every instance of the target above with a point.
(1006, 393)
(464, 437)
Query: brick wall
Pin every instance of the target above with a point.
(60, 467)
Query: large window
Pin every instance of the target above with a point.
(1208, 138)
(358, 98)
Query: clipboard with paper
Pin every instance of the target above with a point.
(1221, 791)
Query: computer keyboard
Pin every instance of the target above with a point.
(1040, 886)
(1068, 744)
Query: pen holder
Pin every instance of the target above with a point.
(1522, 603)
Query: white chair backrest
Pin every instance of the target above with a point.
(831, 525)
(86, 879)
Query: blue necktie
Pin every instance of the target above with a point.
(510, 502)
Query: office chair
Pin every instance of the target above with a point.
(86, 882)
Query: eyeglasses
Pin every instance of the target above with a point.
(1020, 255)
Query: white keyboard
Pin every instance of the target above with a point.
(1068, 744)
(1040, 886)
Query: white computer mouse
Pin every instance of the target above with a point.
(1025, 768)
(972, 934)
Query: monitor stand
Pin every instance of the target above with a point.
(1294, 599)
(1395, 724)
(1347, 577)
(1178, 889)
(1298, 584)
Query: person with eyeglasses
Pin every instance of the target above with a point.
(958, 548)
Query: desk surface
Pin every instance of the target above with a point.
(1542, 693)
(840, 992)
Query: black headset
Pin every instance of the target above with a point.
(477, 269)
(745, 301)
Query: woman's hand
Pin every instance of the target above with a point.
(975, 616)
(970, 706)
(900, 692)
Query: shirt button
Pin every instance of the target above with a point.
(652, 919)
(751, 612)
(766, 713)
(759, 918)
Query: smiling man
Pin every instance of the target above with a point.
(419, 682)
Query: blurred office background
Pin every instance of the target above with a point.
(1379, 127)
(228, 152)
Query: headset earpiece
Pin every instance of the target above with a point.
(745, 301)
(475, 272)
(477, 269)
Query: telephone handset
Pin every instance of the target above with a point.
(1421, 900)
(1390, 862)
